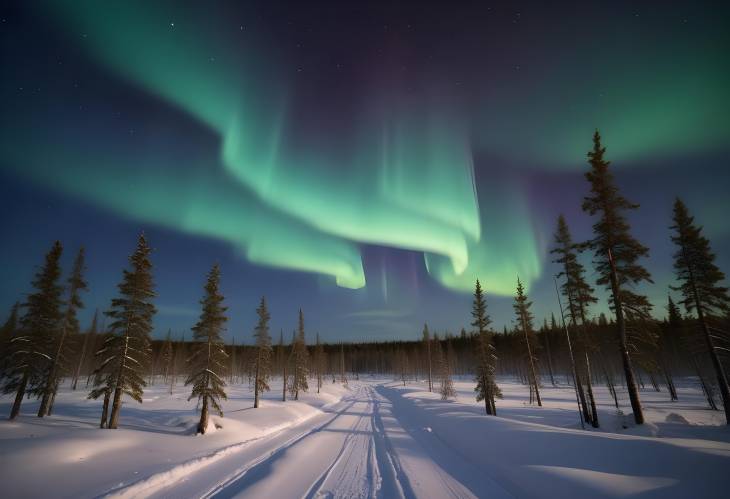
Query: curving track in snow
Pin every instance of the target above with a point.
(357, 448)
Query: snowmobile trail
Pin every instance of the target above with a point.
(357, 448)
(352, 455)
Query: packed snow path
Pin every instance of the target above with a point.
(375, 438)
(356, 449)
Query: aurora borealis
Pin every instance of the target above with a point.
(375, 159)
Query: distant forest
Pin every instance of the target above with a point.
(42, 343)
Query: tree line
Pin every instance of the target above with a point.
(41, 343)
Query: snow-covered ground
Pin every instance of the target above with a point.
(375, 438)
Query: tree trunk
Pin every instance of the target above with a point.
(105, 409)
(533, 374)
(670, 382)
(719, 371)
(582, 397)
(624, 350)
(19, 396)
(53, 400)
(705, 387)
(116, 406)
(203, 424)
(43, 408)
(591, 398)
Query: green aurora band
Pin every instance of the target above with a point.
(405, 179)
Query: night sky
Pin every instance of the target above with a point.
(363, 161)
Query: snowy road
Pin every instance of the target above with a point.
(357, 448)
(375, 438)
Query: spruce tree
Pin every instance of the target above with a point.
(300, 359)
(59, 349)
(579, 295)
(524, 319)
(263, 352)
(208, 360)
(127, 350)
(486, 357)
(616, 254)
(700, 284)
(427, 345)
(28, 357)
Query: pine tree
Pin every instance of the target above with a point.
(427, 344)
(486, 357)
(127, 350)
(263, 351)
(702, 293)
(616, 257)
(446, 384)
(524, 319)
(579, 295)
(208, 360)
(299, 358)
(28, 358)
(70, 327)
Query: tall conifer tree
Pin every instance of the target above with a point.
(617, 254)
(486, 389)
(299, 359)
(208, 360)
(263, 352)
(524, 319)
(700, 284)
(28, 358)
(59, 348)
(127, 350)
(579, 295)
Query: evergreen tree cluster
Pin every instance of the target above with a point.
(115, 358)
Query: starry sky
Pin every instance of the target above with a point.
(365, 161)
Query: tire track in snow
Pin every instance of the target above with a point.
(225, 488)
(355, 472)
